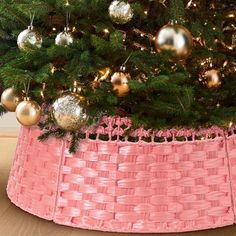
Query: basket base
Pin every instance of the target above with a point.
(161, 188)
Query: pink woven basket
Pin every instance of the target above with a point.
(165, 181)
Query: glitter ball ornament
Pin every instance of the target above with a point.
(176, 39)
(64, 38)
(29, 36)
(120, 84)
(120, 12)
(211, 78)
(68, 112)
(10, 98)
(28, 113)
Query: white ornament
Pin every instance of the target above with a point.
(64, 38)
(29, 36)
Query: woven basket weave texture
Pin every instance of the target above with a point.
(123, 186)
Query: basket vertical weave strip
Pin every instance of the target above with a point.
(34, 174)
(122, 186)
(231, 150)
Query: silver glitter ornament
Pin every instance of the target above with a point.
(120, 12)
(68, 112)
(64, 38)
(29, 36)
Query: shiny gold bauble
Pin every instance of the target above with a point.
(64, 38)
(29, 36)
(120, 84)
(120, 12)
(28, 112)
(176, 39)
(10, 98)
(69, 113)
(211, 78)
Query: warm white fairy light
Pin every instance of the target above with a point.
(106, 31)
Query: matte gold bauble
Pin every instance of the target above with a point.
(211, 78)
(10, 98)
(29, 36)
(176, 39)
(120, 84)
(64, 38)
(120, 12)
(69, 113)
(28, 112)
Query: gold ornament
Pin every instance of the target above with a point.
(68, 112)
(10, 98)
(174, 38)
(29, 36)
(28, 112)
(120, 84)
(211, 78)
(64, 38)
(120, 12)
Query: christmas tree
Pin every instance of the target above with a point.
(162, 63)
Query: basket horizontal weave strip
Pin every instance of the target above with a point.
(123, 186)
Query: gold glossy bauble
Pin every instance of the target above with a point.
(120, 12)
(64, 38)
(29, 36)
(211, 78)
(28, 113)
(69, 113)
(176, 39)
(10, 98)
(120, 84)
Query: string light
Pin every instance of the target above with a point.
(53, 69)
(190, 4)
(106, 31)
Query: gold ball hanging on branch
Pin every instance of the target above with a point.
(10, 98)
(176, 39)
(29, 36)
(120, 12)
(211, 78)
(28, 113)
(120, 84)
(68, 112)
